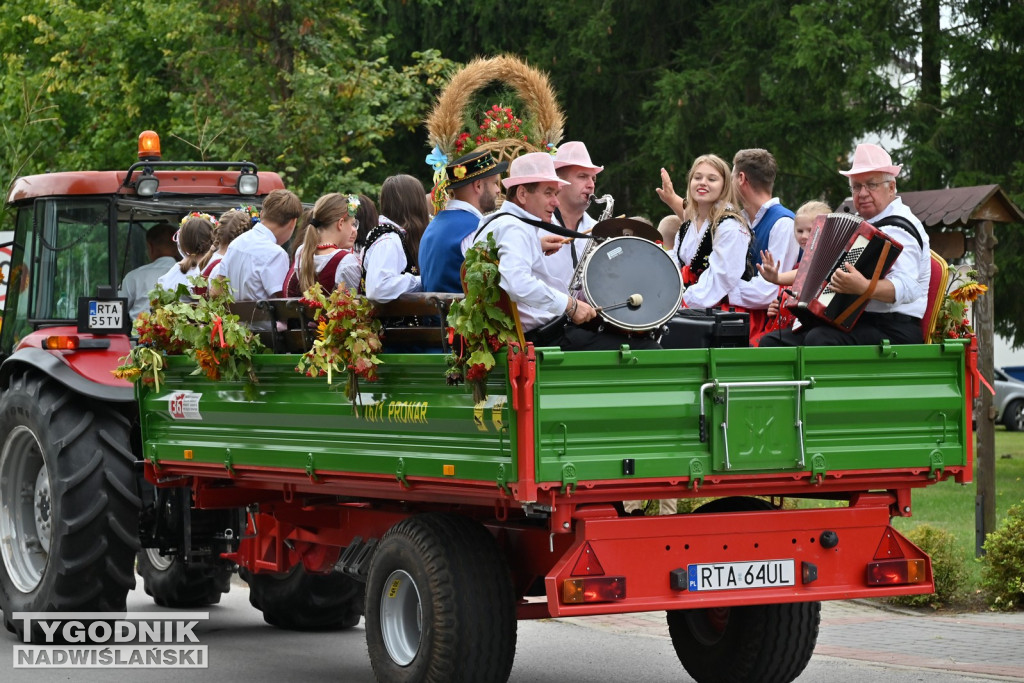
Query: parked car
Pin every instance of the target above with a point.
(1009, 401)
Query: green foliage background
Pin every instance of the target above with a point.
(333, 95)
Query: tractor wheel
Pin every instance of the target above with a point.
(173, 584)
(300, 601)
(763, 643)
(439, 603)
(69, 507)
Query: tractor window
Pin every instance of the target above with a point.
(70, 256)
(15, 284)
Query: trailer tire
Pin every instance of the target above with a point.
(171, 583)
(439, 603)
(71, 506)
(764, 643)
(300, 601)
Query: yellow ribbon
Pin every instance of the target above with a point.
(156, 360)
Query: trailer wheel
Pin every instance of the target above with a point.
(172, 583)
(763, 643)
(300, 601)
(70, 509)
(439, 603)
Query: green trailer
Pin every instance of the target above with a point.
(452, 519)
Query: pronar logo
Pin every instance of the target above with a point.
(93, 640)
(184, 405)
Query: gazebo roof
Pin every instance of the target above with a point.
(956, 207)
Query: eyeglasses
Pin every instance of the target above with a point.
(855, 188)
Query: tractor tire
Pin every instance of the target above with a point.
(173, 584)
(299, 601)
(757, 643)
(439, 603)
(69, 507)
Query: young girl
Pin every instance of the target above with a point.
(711, 247)
(803, 224)
(194, 238)
(390, 265)
(232, 224)
(326, 255)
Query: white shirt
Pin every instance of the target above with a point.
(561, 260)
(912, 269)
(174, 277)
(385, 280)
(726, 263)
(349, 270)
(538, 289)
(138, 283)
(254, 265)
(758, 292)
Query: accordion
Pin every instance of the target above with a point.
(839, 238)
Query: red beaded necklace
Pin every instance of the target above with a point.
(327, 246)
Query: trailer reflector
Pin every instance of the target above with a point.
(896, 572)
(888, 548)
(588, 564)
(594, 589)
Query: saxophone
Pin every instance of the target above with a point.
(576, 284)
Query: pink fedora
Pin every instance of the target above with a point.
(536, 167)
(575, 154)
(871, 159)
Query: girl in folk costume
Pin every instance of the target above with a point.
(326, 255)
(232, 224)
(713, 242)
(194, 239)
(390, 257)
(780, 318)
(367, 218)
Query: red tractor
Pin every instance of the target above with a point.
(73, 504)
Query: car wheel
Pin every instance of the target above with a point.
(1013, 416)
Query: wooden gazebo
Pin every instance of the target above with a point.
(959, 221)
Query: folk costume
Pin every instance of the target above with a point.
(713, 261)
(387, 270)
(441, 252)
(340, 268)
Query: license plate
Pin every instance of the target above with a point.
(734, 575)
(106, 315)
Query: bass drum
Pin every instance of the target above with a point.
(622, 266)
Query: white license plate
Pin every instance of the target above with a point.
(106, 315)
(733, 575)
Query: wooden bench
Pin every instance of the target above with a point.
(286, 326)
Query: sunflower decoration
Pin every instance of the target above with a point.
(953, 320)
(203, 329)
(347, 339)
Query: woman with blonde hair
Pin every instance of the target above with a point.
(713, 242)
(326, 255)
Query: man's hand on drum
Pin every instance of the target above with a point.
(579, 311)
(550, 244)
(668, 195)
(768, 268)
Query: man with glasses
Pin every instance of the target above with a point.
(899, 300)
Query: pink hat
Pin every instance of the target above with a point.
(536, 167)
(575, 154)
(871, 159)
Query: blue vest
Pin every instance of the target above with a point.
(441, 250)
(763, 231)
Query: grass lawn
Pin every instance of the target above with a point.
(950, 506)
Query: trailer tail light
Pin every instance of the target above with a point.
(896, 572)
(594, 589)
(71, 342)
(149, 146)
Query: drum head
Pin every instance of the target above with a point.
(625, 227)
(622, 266)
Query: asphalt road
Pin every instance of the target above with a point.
(857, 643)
